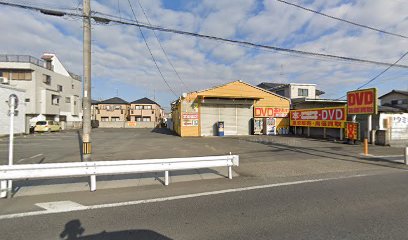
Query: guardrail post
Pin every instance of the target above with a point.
(230, 172)
(93, 183)
(166, 178)
(406, 156)
(3, 188)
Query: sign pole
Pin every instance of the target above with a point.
(12, 104)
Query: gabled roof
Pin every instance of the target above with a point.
(115, 100)
(244, 83)
(144, 100)
(395, 91)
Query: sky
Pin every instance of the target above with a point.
(122, 65)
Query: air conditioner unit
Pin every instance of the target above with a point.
(4, 80)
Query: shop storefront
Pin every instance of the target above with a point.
(236, 105)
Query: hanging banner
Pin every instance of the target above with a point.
(333, 117)
(352, 130)
(271, 112)
(189, 119)
(362, 101)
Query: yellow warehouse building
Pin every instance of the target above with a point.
(236, 104)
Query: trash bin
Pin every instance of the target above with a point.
(220, 126)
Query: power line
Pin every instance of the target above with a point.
(344, 20)
(151, 54)
(165, 53)
(378, 75)
(238, 42)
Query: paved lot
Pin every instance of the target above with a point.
(262, 157)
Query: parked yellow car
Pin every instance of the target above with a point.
(47, 126)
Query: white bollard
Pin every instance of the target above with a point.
(3, 188)
(93, 183)
(166, 178)
(406, 156)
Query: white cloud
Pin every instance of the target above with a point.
(121, 60)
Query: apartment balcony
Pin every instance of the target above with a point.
(22, 59)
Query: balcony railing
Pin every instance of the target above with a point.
(22, 59)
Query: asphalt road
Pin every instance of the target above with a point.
(367, 207)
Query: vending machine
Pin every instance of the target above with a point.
(258, 126)
(270, 126)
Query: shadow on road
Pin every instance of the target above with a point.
(164, 131)
(321, 152)
(74, 231)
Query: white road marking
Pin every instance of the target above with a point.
(23, 159)
(61, 206)
(78, 207)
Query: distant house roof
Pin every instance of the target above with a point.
(392, 109)
(395, 91)
(115, 100)
(144, 101)
(275, 86)
(299, 100)
(269, 85)
(94, 102)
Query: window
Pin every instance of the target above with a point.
(46, 79)
(137, 107)
(67, 100)
(73, 86)
(104, 119)
(27, 100)
(117, 107)
(54, 99)
(146, 119)
(394, 102)
(59, 88)
(16, 74)
(138, 118)
(115, 119)
(152, 112)
(303, 92)
(147, 107)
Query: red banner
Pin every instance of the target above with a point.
(352, 130)
(319, 117)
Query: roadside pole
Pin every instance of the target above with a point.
(13, 105)
(369, 127)
(86, 122)
(406, 156)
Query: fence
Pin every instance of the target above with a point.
(92, 169)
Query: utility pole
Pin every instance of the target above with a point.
(86, 122)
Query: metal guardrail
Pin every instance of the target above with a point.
(92, 169)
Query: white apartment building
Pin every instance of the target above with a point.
(51, 91)
(293, 90)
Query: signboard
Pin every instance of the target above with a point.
(189, 119)
(362, 101)
(333, 117)
(352, 130)
(271, 112)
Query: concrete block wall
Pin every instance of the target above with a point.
(126, 124)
